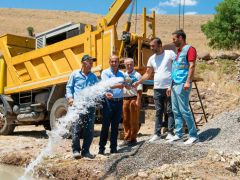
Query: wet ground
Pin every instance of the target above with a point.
(11, 172)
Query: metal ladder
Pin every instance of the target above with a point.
(199, 99)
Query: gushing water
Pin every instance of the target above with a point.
(86, 98)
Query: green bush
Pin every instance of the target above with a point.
(223, 31)
(30, 31)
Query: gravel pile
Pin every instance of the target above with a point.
(150, 155)
(221, 133)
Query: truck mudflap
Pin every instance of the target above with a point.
(6, 115)
(7, 103)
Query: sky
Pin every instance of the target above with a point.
(101, 6)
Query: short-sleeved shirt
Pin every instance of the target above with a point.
(162, 66)
(107, 74)
(191, 55)
(133, 76)
(79, 81)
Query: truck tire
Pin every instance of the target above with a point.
(58, 110)
(6, 125)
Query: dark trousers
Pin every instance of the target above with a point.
(84, 126)
(112, 112)
(163, 104)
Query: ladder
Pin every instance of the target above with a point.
(195, 100)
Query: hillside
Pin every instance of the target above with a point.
(15, 21)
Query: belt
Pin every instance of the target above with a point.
(116, 99)
(130, 98)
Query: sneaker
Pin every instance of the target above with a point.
(191, 141)
(154, 138)
(88, 155)
(169, 136)
(174, 138)
(76, 155)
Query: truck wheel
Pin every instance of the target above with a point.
(58, 110)
(6, 126)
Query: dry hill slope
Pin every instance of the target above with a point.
(16, 21)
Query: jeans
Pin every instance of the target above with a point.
(181, 110)
(112, 113)
(85, 124)
(160, 99)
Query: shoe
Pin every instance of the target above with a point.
(169, 136)
(132, 143)
(101, 152)
(154, 138)
(124, 143)
(174, 138)
(191, 141)
(76, 155)
(113, 151)
(88, 155)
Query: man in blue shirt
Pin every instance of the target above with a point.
(78, 81)
(112, 107)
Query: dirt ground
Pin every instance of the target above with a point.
(28, 141)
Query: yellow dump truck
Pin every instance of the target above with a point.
(34, 71)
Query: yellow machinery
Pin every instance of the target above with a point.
(32, 81)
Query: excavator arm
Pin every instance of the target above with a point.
(115, 12)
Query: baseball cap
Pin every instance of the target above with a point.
(87, 57)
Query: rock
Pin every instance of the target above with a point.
(204, 56)
(211, 62)
(216, 158)
(221, 153)
(230, 56)
(233, 163)
(168, 175)
(142, 174)
(170, 46)
(154, 176)
(165, 166)
(222, 159)
(238, 120)
(203, 96)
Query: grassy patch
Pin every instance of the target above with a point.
(226, 67)
(219, 75)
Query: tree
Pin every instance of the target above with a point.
(30, 31)
(223, 31)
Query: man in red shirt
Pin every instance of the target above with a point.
(182, 75)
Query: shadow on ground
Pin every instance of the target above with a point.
(209, 134)
(35, 134)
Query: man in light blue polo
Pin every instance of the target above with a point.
(79, 80)
(112, 107)
(182, 75)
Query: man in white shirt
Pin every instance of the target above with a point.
(131, 103)
(161, 64)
